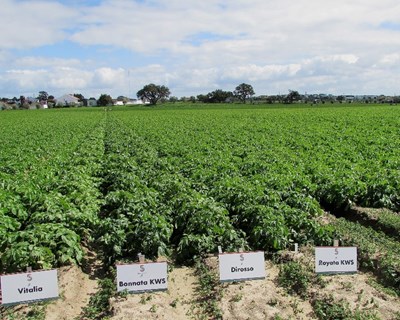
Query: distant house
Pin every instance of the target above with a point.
(43, 104)
(68, 100)
(92, 102)
(135, 101)
(31, 100)
(118, 103)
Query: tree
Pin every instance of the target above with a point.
(202, 98)
(218, 96)
(243, 91)
(23, 103)
(43, 95)
(79, 96)
(173, 99)
(271, 99)
(104, 100)
(153, 93)
(340, 98)
(292, 96)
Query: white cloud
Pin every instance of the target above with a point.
(197, 46)
(346, 58)
(390, 59)
(55, 80)
(108, 77)
(27, 24)
(68, 79)
(42, 62)
(255, 73)
(24, 79)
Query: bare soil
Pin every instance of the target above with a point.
(75, 287)
(258, 299)
(176, 303)
(263, 299)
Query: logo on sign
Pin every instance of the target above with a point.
(141, 271)
(241, 269)
(25, 287)
(28, 288)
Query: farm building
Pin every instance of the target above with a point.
(43, 104)
(68, 100)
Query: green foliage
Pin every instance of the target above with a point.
(292, 96)
(380, 219)
(36, 311)
(376, 251)
(188, 180)
(132, 219)
(209, 291)
(294, 278)
(153, 93)
(216, 96)
(390, 223)
(99, 304)
(49, 199)
(43, 246)
(207, 226)
(105, 100)
(243, 91)
(327, 308)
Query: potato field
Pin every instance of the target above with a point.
(83, 189)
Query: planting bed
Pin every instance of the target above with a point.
(179, 181)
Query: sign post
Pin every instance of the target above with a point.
(141, 277)
(30, 286)
(335, 260)
(241, 266)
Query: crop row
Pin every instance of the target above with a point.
(183, 182)
(150, 209)
(152, 206)
(275, 176)
(377, 252)
(380, 219)
(337, 156)
(49, 196)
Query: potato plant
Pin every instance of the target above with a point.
(181, 182)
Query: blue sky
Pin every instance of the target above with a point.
(117, 46)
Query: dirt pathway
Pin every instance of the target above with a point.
(75, 288)
(176, 303)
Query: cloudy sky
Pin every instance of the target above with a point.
(193, 47)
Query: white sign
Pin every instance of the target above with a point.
(23, 287)
(140, 277)
(335, 259)
(241, 266)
